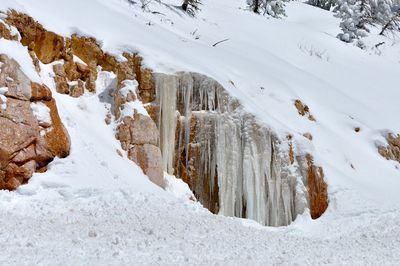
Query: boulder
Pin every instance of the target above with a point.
(47, 45)
(148, 157)
(27, 144)
(78, 89)
(40, 92)
(139, 136)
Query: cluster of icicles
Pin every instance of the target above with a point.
(232, 164)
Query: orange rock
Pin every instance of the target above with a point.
(35, 61)
(40, 92)
(6, 34)
(26, 25)
(71, 71)
(148, 157)
(152, 110)
(86, 49)
(303, 110)
(143, 130)
(317, 189)
(11, 184)
(58, 141)
(25, 154)
(48, 46)
(61, 85)
(392, 150)
(78, 89)
(90, 83)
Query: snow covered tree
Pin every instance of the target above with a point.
(324, 4)
(191, 6)
(392, 24)
(274, 8)
(381, 10)
(355, 15)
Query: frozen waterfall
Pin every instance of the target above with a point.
(233, 165)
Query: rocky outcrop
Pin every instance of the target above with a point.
(76, 61)
(139, 136)
(79, 57)
(234, 165)
(47, 45)
(392, 150)
(31, 132)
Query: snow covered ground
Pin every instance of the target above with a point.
(124, 227)
(96, 207)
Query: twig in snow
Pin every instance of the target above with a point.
(157, 13)
(379, 44)
(215, 44)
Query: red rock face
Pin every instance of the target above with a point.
(27, 145)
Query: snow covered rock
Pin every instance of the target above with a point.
(47, 45)
(6, 33)
(303, 110)
(392, 150)
(31, 132)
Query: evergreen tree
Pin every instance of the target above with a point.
(324, 4)
(274, 8)
(392, 24)
(191, 6)
(356, 16)
(381, 11)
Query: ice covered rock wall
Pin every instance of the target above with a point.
(234, 165)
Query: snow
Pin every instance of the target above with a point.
(3, 102)
(129, 108)
(177, 187)
(92, 227)
(41, 112)
(19, 53)
(76, 211)
(3, 98)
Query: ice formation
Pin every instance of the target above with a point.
(233, 165)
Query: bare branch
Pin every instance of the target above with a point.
(215, 44)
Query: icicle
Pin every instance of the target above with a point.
(227, 145)
(166, 96)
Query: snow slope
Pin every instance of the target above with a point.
(297, 57)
